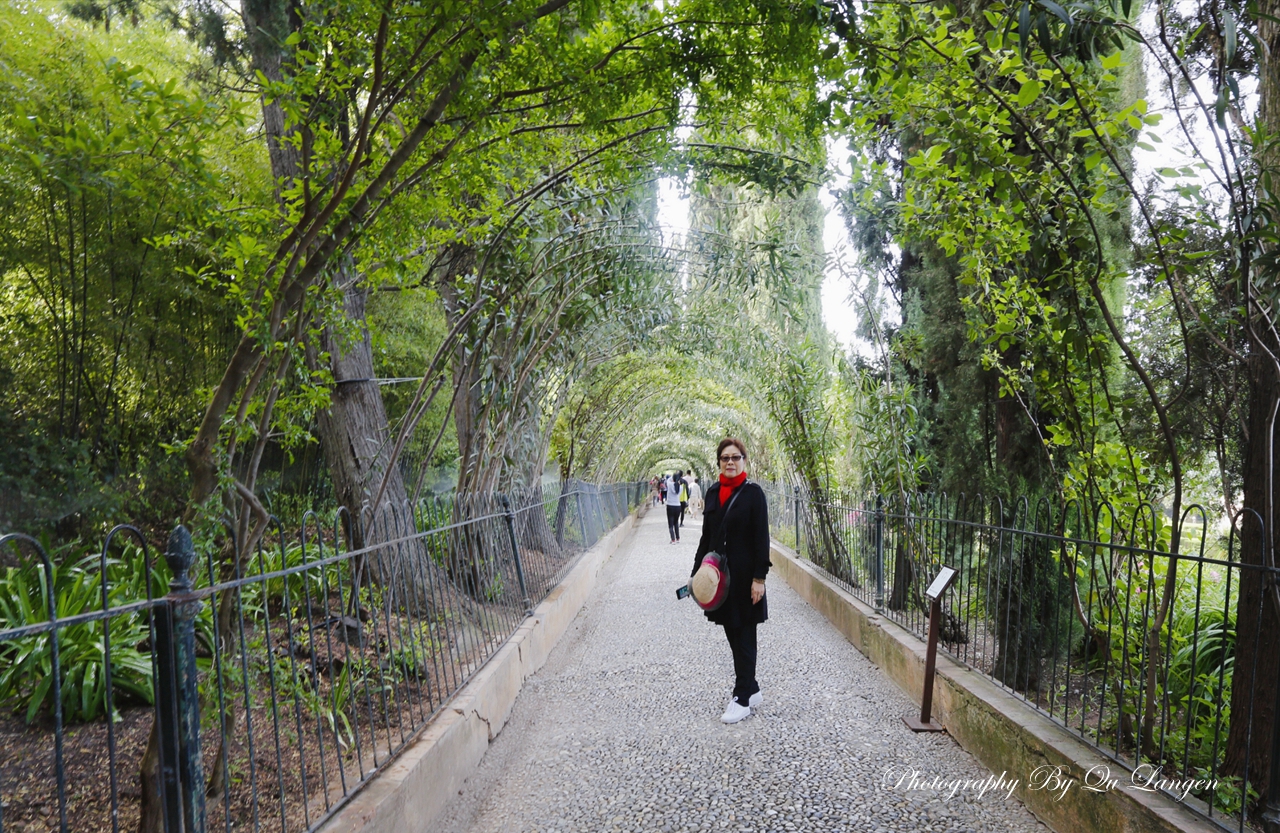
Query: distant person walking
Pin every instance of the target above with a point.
(673, 507)
(684, 495)
(695, 498)
(737, 527)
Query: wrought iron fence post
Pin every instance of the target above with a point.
(879, 533)
(182, 768)
(515, 552)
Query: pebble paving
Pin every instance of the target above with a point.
(621, 731)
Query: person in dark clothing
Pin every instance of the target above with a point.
(742, 536)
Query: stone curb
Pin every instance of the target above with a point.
(1003, 732)
(412, 791)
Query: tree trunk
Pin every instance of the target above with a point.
(458, 261)
(267, 24)
(353, 430)
(1256, 660)
(904, 575)
(1257, 624)
(532, 527)
(562, 510)
(151, 818)
(355, 436)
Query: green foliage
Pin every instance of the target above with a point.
(1003, 334)
(497, 136)
(797, 399)
(889, 448)
(337, 706)
(26, 663)
(408, 326)
(271, 594)
(109, 173)
(189, 229)
(340, 704)
(40, 477)
(1199, 639)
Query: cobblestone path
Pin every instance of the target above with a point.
(621, 730)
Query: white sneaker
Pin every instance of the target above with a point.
(735, 712)
(755, 701)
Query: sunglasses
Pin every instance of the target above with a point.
(731, 458)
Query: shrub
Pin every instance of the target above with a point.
(26, 662)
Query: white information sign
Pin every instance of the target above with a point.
(941, 583)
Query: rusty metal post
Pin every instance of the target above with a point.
(178, 709)
(939, 586)
(879, 554)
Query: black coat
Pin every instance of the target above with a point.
(745, 543)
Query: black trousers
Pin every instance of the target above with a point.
(684, 504)
(673, 522)
(742, 641)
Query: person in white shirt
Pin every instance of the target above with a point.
(695, 498)
(673, 506)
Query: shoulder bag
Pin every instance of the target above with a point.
(710, 584)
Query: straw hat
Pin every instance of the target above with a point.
(710, 584)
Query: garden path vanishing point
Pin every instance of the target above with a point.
(621, 730)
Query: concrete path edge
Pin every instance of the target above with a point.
(412, 791)
(1002, 731)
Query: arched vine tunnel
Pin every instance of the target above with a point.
(294, 257)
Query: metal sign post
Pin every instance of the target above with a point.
(940, 584)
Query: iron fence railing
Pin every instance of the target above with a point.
(260, 693)
(1083, 614)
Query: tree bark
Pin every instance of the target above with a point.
(1257, 657)
(459, 261)
(904, 575)
(353, 430)
(562, 505)
(267, 24)
(355, 436)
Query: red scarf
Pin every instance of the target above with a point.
(728, 484)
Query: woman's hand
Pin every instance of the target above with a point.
(757, 591)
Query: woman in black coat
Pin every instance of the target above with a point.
(745, 543)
